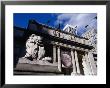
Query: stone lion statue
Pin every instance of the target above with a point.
(34, 50)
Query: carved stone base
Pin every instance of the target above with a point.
(23, 68)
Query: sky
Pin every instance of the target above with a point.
(54, 19)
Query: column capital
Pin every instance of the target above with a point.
(72, 49)
(58, 47)
(86, 52)
(54, 45)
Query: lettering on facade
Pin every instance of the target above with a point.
(65, 36)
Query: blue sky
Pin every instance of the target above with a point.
(75, 19)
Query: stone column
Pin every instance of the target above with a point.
(54, 53)
(85, 68)
(59, 59)
(92, 63)
(86, 65)
(73, 62)
(77, 63)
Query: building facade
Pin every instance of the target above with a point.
(63, 53)
(91, 35)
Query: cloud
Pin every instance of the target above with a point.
(77, 19)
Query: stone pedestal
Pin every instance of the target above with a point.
(36, 69)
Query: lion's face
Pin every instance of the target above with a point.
(32, 44)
